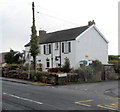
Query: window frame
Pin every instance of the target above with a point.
(47, 63)
(56, 46)
(47, 49)
(66, 47)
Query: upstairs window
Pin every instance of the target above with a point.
(47, 49)
(56, 46)
(62, 47)
(66, 47)
(69, 46)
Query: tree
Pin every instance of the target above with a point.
(34, 42)
(13, 57)
(66, 66)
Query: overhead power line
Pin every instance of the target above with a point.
(57, 18)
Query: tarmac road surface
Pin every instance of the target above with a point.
(90, 96)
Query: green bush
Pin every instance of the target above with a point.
(15, 71)
(96, 66)
(116, 65)
(85, 72)
(66, 66)
(36, 76)
(113, 57)
(13, 66)
(88, 72)
(12, 70)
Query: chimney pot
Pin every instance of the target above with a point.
(42, 32)
(91, 23)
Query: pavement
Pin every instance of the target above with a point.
(24, 81)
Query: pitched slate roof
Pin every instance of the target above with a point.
(63, 35)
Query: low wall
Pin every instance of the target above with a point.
(107, 73)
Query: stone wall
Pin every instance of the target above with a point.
(107, 73)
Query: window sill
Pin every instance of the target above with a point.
(46, 54)
(66, 52)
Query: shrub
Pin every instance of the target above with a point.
(36, 76)
(85, 72)
(113, 57)
(96, 66)
(88, 72)
(53, 70)
(116, 65)
(24, 75)
(66, 66)
(11, 70)
(13, 66)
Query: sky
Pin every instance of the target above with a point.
(55, 15)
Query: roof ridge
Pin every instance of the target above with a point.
(67, 29)
(62, 35)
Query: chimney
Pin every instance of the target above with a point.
(11, 50)
(42, 32)
(91, 23)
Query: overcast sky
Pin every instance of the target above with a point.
(54, 15)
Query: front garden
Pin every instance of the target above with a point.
(64, 75)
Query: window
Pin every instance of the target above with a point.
(66, 47)
(69, 46)
(28, 56)
(47, 49)
(62, 47)
(47, 63)
(57, 64)
(56, 46)
(44, 49)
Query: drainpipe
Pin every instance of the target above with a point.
(60, 54)
(29, 62)
(52, 55)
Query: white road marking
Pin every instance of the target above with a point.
(22, 98)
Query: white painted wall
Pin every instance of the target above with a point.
(55, 53)
(42, 58)
(71, 56)
(26, 53)
(93, 45)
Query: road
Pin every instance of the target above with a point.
(90, 96)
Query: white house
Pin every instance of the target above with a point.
(76, 44)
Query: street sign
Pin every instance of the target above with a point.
(84, 62)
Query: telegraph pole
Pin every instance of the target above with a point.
(33, 13)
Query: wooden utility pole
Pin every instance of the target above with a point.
(33, 11)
